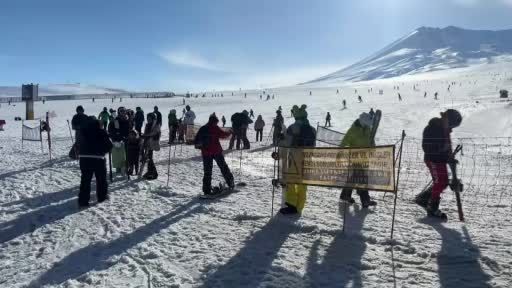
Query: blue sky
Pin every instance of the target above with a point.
(200, 45)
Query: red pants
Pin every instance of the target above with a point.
(439, 174)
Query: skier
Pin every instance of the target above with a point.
(425, 95)
(158, 116)
(151, 138)
(359, 98)
(223, 121)
(268, 97)
(139, 119)
(399, 97)
(133, 145)
(103, 117)
(251, 114)
(261, 97)
(299, 134)
(77, 122)
(93, 148)
(359, 135)
(437, 147)
(212, 150)
(372, 113)
(277, 126)
(337, 91)
(435, 96)
(258, 127)
(344, 104)
(328, 119)
(240, 123)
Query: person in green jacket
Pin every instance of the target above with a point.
(359, 135)
(103, 117)
(173, 125)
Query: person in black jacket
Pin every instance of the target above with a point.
(240, 122)
(77, 122)
(158, 116)
(437, 147)
(119, 128)
(139, 120)
(95, 144)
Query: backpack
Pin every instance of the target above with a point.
(202, 138)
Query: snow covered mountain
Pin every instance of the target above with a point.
(429, 49)
(59, 89)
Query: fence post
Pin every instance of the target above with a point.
(397, 182)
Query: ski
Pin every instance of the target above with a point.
(375, 125)
(456, 185)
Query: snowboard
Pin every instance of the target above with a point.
(375, 124)
(221, 190)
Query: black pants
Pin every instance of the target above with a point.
(207, 168)
(259, 132)
(88, 167)
(327, 122)
(151, 164)
(237, 135)
(138, 128)
(363, 194)
(172, 133)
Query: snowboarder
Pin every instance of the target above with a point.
(151, 138)
(359, 135)
(438, 152)
(299, 134)
(173, 125)
(223, 121)
(103, 117)
(139, 119)
(251, 113)
(277, 126)
(93, 148)
(258, 127)
(212, 150)
(133, 145)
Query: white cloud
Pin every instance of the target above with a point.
(507, 2)
(188, 58)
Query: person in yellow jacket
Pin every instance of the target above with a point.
(359, 135)
(299, 134)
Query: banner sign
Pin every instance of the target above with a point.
(358, 168)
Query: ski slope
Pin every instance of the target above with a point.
(151, 235)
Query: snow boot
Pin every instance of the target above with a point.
(346, 196)
(288, 210)
(433, 209)
(368, 203)
(423, 198)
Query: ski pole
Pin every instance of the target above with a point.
(71, 133)
(110, 165)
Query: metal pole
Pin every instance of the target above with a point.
(396, 185)
(169, 165)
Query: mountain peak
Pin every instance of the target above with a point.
(429, 49)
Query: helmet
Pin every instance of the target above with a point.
(454, 118)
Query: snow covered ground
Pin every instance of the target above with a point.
(151, 235)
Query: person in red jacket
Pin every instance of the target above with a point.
(212, 150)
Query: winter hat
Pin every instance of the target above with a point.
(365, 120)
(300, 113)
(245, 112)
(79, 109)
(187, 108)
(453, 116)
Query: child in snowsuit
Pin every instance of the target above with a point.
(437, 147)
(299, 134)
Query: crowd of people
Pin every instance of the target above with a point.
(121, 133)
